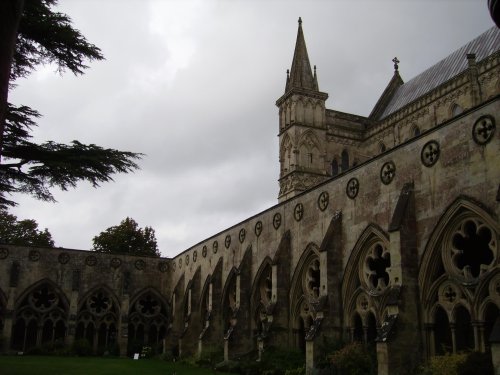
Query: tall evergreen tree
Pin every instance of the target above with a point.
(45, 36)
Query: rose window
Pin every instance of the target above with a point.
(473, 249)
(43, 299)
(148, 306)
(377, 262)
(312, 279)
(99, 303)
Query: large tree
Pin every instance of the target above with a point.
(127, 238)
(45, 36)
(23, 232)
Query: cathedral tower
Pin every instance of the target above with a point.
(302, 126)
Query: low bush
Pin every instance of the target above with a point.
(354, 359)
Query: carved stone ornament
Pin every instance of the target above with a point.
(323, 200)
(277, 220)
(242, 235)
(352, 188)
(483, 130)
(180, 263)
(215, 247)
(430, 153)
(4, 253)
(139, 264)
(63, 258)
(115, 263)
(258, 228)
(91, 261)
(298, 211)
(195, 256)
(362, 302)
(387, 172)
(163, 267)
(376, 266)
(34, 255)
(204, 251)
(187, 259)
(227, 241)
(471, 250)
(448, 293)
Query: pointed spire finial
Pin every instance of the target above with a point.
(288, 74)
(300, 21)
(396, 62)
(315, 70)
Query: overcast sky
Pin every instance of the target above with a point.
(192, 84)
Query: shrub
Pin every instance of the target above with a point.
(477, 363)
(297, 371)
(353, 359)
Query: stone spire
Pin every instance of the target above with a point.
(301, 75)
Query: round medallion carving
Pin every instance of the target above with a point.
(242, 235)
(115, 263)
(430, 153)
(4, 253)
(63, 258)
(163, 267)
(387, 172)
(139, 264)
(323, 200)
(187, 259)
(483, 130)
(180, 263)
(91, 261)
(277, 220)
(204, 251)
(227, 241)
(298, 211)
(352, 188)
(195, 256)
(258, 228)
(174, 265)
(448, 293)
(215, 247)
(34, 255)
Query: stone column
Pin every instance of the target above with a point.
(309, 357)
(122, 329)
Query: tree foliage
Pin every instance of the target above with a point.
(45, 36)
(23, 232)
(127, 238)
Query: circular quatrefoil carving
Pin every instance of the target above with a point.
(483, 130)
(215, 247)
(63, 258)
(187, 259)
(227, 241)
(115, 263)
(91, 261)
(204, 251)
(163, 267)
(323, 200)
(4, 253)
(430, 153)
(352, 188)
(34, 255)
(277, 220)
(298, 212)
(258, 228)
(195, 256)
(140, 264)
(242, 235)
(387, 172)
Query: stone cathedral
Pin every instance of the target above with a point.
(386, 231)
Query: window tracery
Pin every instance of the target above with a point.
(376, 265)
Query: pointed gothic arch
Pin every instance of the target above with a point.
(261, 297)
(97, 318)
(41, 315)
(148, 320)
(462, 250)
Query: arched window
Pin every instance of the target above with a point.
(335, 167)
(345, 161)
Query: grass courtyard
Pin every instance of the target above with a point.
(41, 365)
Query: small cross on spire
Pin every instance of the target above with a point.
(300, 21)
(396, 62)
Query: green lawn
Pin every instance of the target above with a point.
(41, 365)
